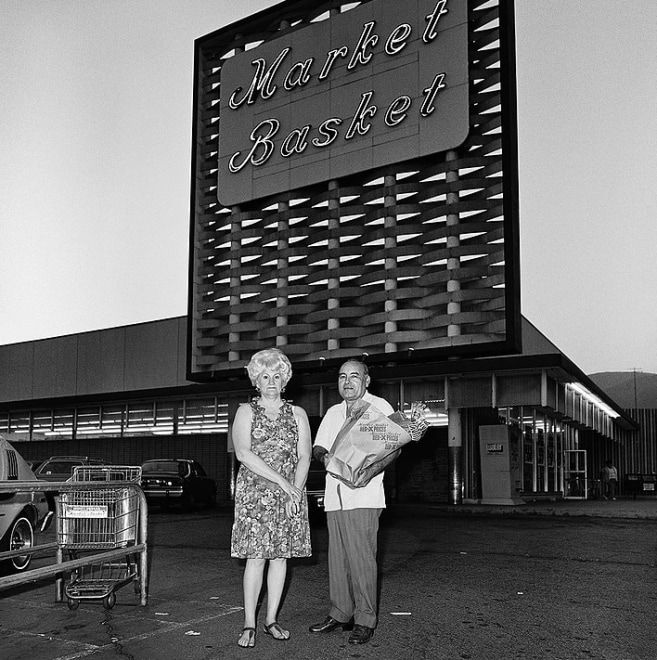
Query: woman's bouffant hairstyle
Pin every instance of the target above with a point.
(269, 358)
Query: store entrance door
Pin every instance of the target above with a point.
(575, 474)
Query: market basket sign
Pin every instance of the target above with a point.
(85, 511)
(387, 81)
(355, 185)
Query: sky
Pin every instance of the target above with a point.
(95, 159)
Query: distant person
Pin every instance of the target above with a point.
(272, 443)
(352, 518)
(609, 481)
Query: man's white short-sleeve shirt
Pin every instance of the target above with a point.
(338, 495)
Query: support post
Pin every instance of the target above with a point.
(455, 444)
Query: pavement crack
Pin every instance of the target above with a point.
(115, 639)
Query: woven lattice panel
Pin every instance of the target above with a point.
(420, 255)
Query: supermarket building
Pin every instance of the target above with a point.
(121, 394)
(354, 195)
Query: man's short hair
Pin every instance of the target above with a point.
(364, 367)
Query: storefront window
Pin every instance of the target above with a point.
(141, 418)
(542, 452)
(19, 425)
(42, 424)
(62, 427)
(112, 419)
(88, 421)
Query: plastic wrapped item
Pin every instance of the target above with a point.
(369, 441)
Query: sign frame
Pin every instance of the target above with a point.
(408, 263)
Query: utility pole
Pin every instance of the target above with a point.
(636, 409)
(636, 400)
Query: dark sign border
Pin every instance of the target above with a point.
(265, 23)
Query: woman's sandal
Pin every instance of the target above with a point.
(251, 638)
(276, 631)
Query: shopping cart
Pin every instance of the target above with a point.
(99, 519)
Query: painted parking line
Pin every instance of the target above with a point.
(166, 629)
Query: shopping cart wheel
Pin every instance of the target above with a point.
(109, 601)
(73, 604)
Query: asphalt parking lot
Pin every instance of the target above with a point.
(472, 583)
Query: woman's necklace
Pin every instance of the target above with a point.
(271, 410)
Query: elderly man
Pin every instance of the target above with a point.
(352, 516)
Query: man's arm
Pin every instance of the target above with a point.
(326, 434)
(320, 454)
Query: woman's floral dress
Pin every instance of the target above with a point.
(262, 528)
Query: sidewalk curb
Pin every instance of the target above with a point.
(639, 509)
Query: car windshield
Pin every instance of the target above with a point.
(59, 467)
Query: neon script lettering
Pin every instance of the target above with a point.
(269, 77)
(298, 139)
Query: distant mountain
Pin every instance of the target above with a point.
(620, 386)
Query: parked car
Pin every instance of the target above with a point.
(315, 486)
(33, 464)
(21, 513)
(60, 468)
(183, 481)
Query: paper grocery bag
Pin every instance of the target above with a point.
(366, 444)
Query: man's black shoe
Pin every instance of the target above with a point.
(361, 635)
(328, 625)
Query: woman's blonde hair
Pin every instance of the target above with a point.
(269, 358)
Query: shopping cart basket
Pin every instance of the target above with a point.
(99, 519)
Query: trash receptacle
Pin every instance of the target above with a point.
(648, 484)
(633, 485)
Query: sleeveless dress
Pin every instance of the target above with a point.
(262, 528)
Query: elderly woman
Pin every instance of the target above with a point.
(272, 443)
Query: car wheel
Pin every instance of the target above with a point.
(19, 536)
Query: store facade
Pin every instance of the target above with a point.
(64, 396)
